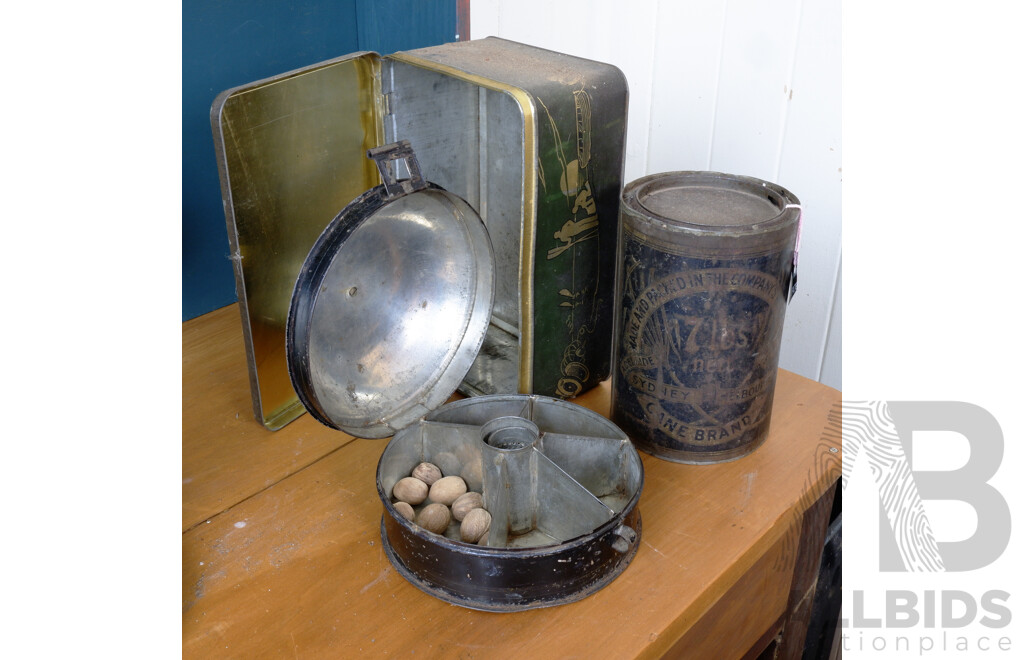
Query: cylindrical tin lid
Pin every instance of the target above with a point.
(391, 306)
(711, 202)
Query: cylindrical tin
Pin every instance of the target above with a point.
(705, 264)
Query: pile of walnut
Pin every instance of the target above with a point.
(425, 483)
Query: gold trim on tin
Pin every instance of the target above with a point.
(528, 236)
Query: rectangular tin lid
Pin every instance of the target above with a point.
(291, 151)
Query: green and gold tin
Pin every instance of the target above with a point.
(532, 139)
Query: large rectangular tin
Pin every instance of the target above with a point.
(533, 139)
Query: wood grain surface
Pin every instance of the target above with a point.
(282, 555)
(227, 455)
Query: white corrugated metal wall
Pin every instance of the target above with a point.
(740, 86)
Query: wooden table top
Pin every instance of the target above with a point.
(282, 555)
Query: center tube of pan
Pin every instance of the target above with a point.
(511, 465)
(509, 433)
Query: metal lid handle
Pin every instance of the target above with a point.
(385, 155)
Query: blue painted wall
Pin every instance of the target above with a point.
(233, 42)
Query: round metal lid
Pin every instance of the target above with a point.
(390, 308)
(712, 201)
